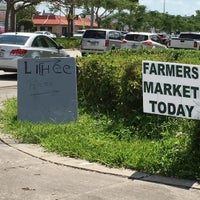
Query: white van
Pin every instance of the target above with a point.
(100, 40)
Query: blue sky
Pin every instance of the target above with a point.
(174, 7)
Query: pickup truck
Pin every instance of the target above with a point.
(186, 40)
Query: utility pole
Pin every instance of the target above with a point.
(163, 6)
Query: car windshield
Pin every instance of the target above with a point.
(95, 34)
(156, 38)
(136, 37)
(13, 39)
(190, 36)
(43, 41)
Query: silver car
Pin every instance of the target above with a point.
(47, 33)
(138, 40)
(100, 40)
(78, 33)
(14, 46)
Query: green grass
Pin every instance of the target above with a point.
(148, 143)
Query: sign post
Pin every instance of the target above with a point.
(47, 90)
(171, 89)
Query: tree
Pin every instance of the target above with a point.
(129, 15)
(127, 20)
(136, 16)
(12, 9)
(27, 24)
(97, 9)
(24, 17)
(101, 9)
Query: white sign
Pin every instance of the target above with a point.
(47, 90)
(171, 89)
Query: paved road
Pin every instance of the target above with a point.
(27, 172)
(74, 52)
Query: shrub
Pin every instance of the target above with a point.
(69, 43)
(112, 81)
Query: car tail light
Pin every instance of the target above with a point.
(147, 43)
(195, 44)
(124, 41)
(18, 52)
(169, 43)
(107, 43)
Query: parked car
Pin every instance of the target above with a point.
(137, 40)
(46, 33)
(164, 38)
(100, 40)
(123, 34)
(78, 33)
(185, 40)
(14, 46)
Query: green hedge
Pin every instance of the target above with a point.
(69, 43)
(113, 81)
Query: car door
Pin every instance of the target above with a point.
(115, 40)
(156, 42)
(46, 47)
(133, 40)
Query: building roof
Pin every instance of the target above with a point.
(61, 20)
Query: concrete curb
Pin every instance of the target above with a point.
(38, 152)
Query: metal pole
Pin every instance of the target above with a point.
(163, 6)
